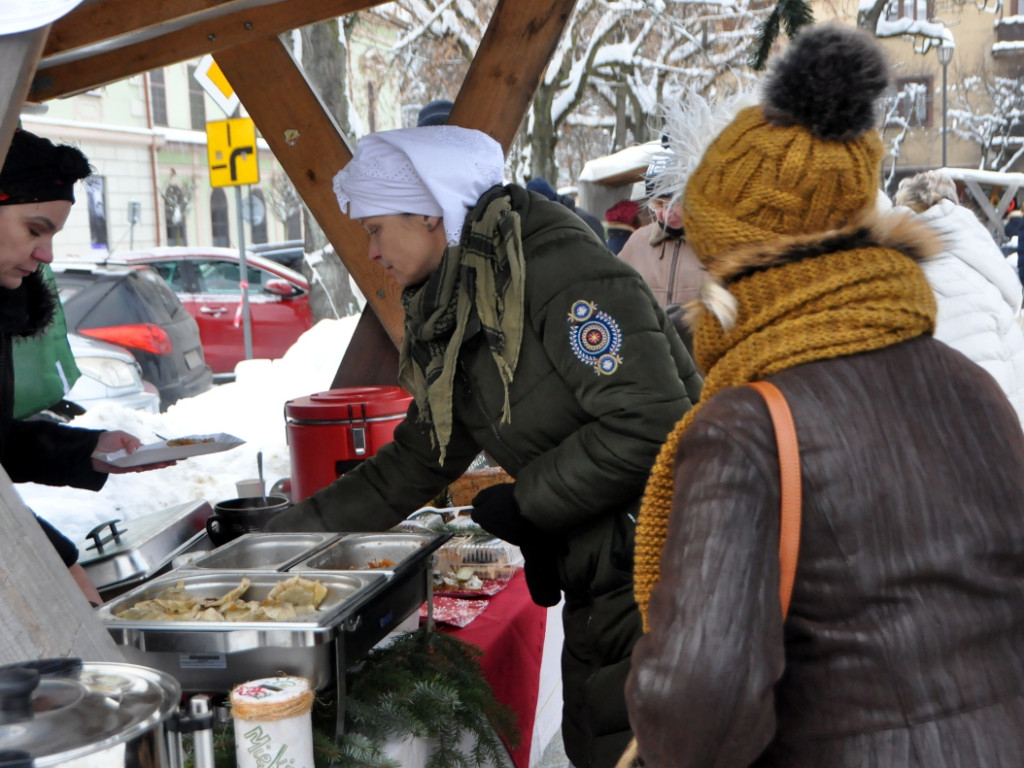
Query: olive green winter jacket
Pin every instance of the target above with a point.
(592, 400)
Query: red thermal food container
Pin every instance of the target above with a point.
(331, 432)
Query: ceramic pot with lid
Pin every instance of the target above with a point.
(234, 517)
(66, 713)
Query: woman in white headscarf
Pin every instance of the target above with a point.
(524, 338)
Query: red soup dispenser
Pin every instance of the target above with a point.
(330, 432)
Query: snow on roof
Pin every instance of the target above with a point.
(929, 30)
(630, 160)
(1008, 45)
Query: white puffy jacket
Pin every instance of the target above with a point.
(979, 297)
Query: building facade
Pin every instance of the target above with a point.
(146, 139)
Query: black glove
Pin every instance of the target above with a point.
(496, 511)
(541, 567)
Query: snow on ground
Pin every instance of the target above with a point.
(251, 408)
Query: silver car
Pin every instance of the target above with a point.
(110, 374)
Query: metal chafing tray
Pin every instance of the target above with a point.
(118, 555)
(214, 656)
(409, 579)
(263, 551)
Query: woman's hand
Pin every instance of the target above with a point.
(117, 440)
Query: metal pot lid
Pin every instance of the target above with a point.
(117, 552)
(352, 404)
(61, 709)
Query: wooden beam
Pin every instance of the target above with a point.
(521, 37)
(70, 74)
(98, 22)
(43, 613)
(307, 142)
(18, 56)
(370, 359)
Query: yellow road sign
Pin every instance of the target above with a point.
(231, 148)
(209, 75)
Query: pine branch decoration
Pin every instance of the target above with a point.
(428, 685)
(425, 685)
(791, 14)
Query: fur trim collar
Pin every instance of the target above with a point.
(896, 229)
(29, 309)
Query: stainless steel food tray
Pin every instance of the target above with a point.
(119, 555)
(408, 583)
(212, 656)
(263, 551)
(385, 551)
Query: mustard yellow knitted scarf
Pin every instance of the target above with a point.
(814, 309)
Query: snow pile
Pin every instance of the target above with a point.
(251, 407)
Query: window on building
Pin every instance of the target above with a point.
(95, 187)
(175, 206)
(914, 100)
(219, 218)
(196, 101)
(257, 216)
(158, 97)
(920, 10)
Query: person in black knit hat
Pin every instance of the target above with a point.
(37, 183)
(435, 113)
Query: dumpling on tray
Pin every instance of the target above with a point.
(298, 591)
(232, 595)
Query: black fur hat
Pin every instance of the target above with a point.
(829, 81)
(36, 170)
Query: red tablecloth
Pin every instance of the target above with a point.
(511, 635)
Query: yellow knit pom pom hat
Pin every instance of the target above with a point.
(804, 162)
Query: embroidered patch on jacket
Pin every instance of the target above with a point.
(595, 337)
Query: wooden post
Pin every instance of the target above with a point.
(18, 56)
(43, 613)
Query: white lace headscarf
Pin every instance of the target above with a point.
(437, 170)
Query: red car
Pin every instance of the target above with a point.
(207, 280)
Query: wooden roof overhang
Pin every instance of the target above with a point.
(101, 41)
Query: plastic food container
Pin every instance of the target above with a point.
(468, 566)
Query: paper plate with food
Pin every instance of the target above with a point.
(175, 449)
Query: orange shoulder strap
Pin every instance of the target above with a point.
(789, 473)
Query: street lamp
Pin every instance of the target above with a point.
(945, 53)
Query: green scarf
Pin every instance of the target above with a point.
(483, 274)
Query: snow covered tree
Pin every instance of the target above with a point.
(989, 111)
(323, 53)
(177, 194)
(913, 19)
(900, 110)
(616, 61)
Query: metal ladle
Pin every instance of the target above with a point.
(259, 471)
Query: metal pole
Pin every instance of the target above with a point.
(243, 275)
(944, 65)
